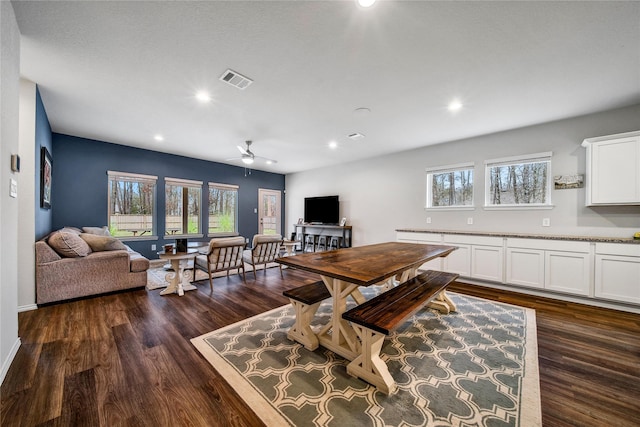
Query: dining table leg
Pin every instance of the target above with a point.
(338, 335)
(177, 282)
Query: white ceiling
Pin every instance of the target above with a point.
(124, 71)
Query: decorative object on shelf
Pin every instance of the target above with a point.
(181, 245)
(343, 222)
(300, 220)
(45, 178)
(563, 182)
(636, 236)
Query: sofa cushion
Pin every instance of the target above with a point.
(68, 245)
(138, 262)
(101, 231)
(99, 243)
(73, 230)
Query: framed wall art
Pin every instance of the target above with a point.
(46, 165)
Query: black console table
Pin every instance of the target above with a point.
(343, 231)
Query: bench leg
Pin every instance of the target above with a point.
(442, 303)
(301, 330)
(368, 365)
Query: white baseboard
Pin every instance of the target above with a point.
(29, 307)
(7, 362)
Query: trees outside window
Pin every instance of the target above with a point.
(223, 209)
(182, 207)
(450, 186)
(523, 181)
(131, 204)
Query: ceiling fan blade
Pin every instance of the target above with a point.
(242, 150)
(266, 159)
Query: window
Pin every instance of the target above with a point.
(523, 181)
(182, 207)
(223, 208)
(131, 204)
(450, 186)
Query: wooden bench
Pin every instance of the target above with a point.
(376, 318)
(305, 300)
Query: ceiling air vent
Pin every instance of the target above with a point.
(356, 136)
(235, 79)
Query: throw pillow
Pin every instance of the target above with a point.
(99, 243)
(68, 245)
(73, 230)
(101, 231)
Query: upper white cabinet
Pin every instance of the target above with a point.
(613, 169)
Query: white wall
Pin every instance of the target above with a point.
(26, 201)
(382, 194)
(9, 99)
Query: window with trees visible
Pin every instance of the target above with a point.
(223, 208)
(450, 186)
(182, 207)
(131, 204)
(523, 181)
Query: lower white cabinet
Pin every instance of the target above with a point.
(617, 272)
(478, 257)
(561, 266)
(607, 271)
(525, 267)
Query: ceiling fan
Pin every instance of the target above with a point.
(248, 157)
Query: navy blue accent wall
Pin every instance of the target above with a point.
(43, 217)
(80, 183)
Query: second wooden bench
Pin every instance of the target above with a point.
(377, 317)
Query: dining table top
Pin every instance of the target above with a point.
(369, 264)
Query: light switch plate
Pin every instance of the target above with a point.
(470, 221)
(13, 187)
(546, 222)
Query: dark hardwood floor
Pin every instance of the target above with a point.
(126, 359)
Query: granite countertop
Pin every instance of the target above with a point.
(526, 236)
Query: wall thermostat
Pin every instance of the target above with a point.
(15, 163)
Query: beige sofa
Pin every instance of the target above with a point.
(72, 264)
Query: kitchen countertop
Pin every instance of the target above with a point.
(596, 239)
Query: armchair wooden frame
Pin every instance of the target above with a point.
(224, 254)
(266, 248)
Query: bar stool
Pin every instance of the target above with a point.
(311, 241)
(322, 242)
(335, 243)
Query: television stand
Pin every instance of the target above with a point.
(324, 230)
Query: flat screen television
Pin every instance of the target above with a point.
(322, 210)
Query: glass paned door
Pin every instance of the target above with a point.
(269, 202)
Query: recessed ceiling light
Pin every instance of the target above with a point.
(203, 96)
(158, 138)
(366, 3)
(269, 162)
(333, 145)
(455, 106)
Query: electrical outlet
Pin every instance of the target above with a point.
(546, 222)
(469, 221)
(428, 220)
(153, 247)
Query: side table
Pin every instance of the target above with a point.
(178, 282)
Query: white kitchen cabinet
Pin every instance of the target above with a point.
(525, 267)
(478, 257)
(617, 272)
(561, 266)
(613, 169)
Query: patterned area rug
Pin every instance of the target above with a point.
(156, 274)
(475, 367)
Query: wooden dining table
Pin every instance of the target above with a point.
(343, 271)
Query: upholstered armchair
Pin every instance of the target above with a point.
(224, 254)
(265, 249)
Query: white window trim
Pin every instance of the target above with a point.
(183, 182)
(442, 169)
(224, 186)
(504, 161)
